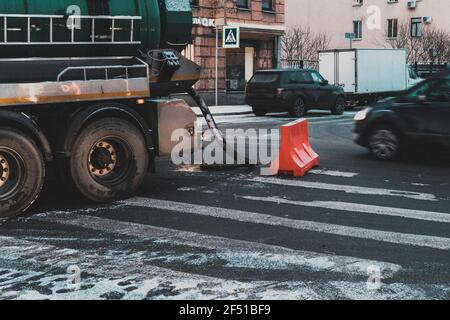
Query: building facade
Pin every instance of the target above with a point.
(261, 23)
(374, 22)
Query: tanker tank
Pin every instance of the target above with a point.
(92, 28)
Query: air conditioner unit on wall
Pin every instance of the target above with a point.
(412, 4)
(427, 19)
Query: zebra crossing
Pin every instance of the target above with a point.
(236, 236)
(318, 118)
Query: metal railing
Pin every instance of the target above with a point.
(73, 23)
(126, 69)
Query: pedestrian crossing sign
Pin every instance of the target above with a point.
(231, 37)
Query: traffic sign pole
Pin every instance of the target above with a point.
(350, 36)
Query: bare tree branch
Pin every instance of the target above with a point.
(300, 43)
(432, 46)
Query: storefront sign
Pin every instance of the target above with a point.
(231, 37)
(204, 22)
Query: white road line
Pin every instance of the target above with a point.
(236, 251)
(346, 123)
(362, 208)
(337, 121)
(334, 173)
(259, 218)
(346, 188)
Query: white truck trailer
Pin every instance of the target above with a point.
(367, 75)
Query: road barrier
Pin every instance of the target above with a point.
(296, 156)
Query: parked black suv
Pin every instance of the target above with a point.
(294, 91)
(419, 117)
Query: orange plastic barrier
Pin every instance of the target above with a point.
(296, 156)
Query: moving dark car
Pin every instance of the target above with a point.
(420, 118)
(295, 91)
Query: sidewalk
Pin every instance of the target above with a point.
(226, 110)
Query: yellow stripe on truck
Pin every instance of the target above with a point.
(80, 97)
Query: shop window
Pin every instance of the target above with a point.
(235, 70)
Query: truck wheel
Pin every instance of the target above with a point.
(22, 172)
(259, 112)
(339, 107)
(109, 160)
(384, 143)
(298, 110)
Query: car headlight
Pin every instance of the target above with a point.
(361, 115)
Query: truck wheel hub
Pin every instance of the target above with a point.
(4, 170)
(103, 159)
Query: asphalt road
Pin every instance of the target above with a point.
(354, 228)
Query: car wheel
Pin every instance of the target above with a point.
(298, 110)
(384, 143)
(109, 160)
(339, 106)
(22, 172)
(259, 112)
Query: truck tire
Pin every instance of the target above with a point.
(22, 172)
(339, 107)
(109, 160)
(298, 110)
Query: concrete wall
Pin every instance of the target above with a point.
(335, 17)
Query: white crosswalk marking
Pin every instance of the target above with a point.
(334, 173)
(328, 121)
(133, 278)
(346, 188)
(131, 268)
(231, 248)
(259, 218)
(362, 208)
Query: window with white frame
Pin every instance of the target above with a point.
(416, 27)
(392, 28)
(357, 29)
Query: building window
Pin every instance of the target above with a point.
(194, 3)
(357, 29)
(267, 5)
(242, 4)
(416, 27)
(392, 28)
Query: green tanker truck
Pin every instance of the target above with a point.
(78, 84)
